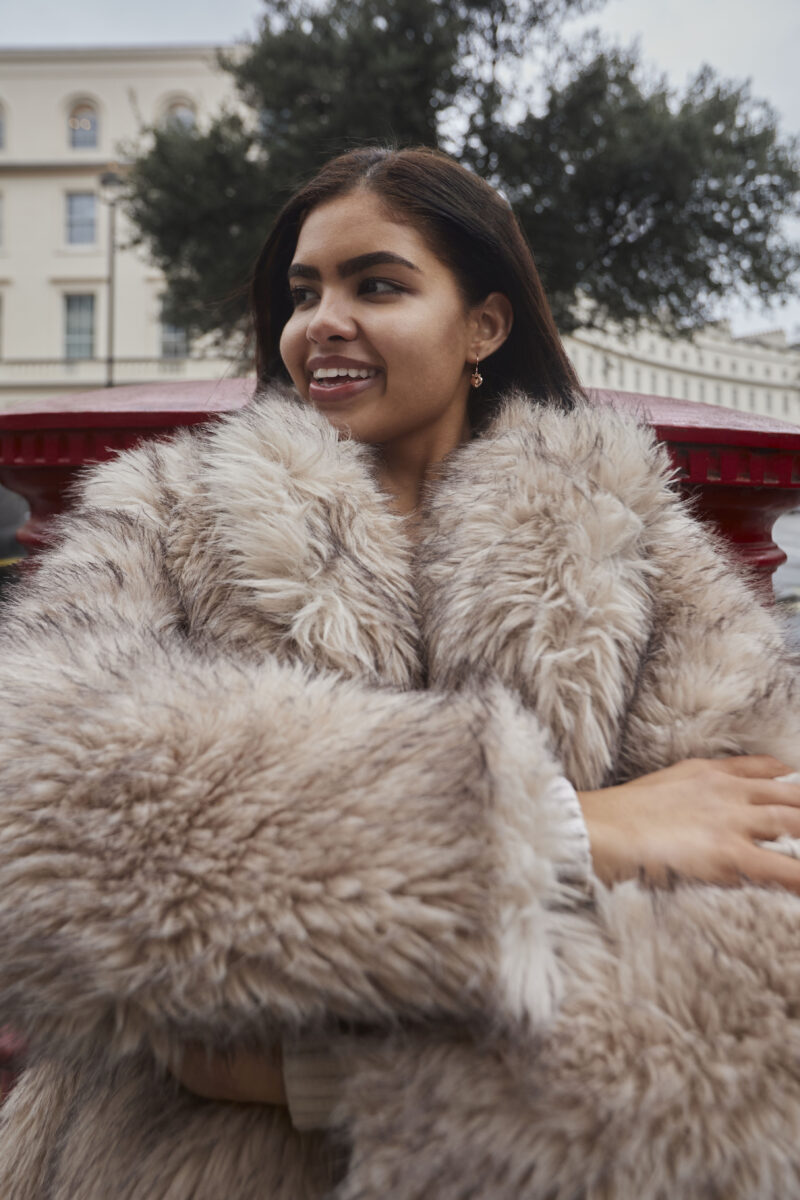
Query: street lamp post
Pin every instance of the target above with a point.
(110, 183)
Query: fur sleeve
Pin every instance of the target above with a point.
(197, 845)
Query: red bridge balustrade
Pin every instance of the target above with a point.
(744, 469)
(45, 443)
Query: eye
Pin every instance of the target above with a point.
(301, 295)
(375, 286)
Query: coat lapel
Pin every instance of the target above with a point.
(533, 567)
(292, 549)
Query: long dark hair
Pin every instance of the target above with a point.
(469, 227)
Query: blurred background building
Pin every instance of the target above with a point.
(79, 309)
(66, 116)
(759, 373)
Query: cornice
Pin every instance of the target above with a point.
(28, 54)
(61, 166)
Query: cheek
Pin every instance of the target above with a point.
(291, 349)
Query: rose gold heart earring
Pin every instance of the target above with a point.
(476, 379)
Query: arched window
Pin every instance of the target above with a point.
(180, 114)
(83, 126)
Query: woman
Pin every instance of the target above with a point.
(293, 715)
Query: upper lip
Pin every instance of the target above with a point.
(337, 360)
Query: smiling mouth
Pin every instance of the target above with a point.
(335, 376)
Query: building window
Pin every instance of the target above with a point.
(2, 128)
(769, 401)
(751, 400)
(669, 385)
(83, 127)
(717, 394)
(621, 369)
(701, 390)
(637, 377)
(174, 342)
(2, 223)
(653, 383)
(79, 326)
(735, 397)
(180, 114)
(685, 389)
(81, 218)
(785, 404)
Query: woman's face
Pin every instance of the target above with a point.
(380, 337)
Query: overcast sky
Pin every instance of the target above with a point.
(741, 39)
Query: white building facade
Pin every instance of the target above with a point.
(66, 117)
(758, 374)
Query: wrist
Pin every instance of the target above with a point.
(246, 1077)
(610, 856)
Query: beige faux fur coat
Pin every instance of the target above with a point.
(269, 770)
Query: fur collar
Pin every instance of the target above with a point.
(532, 564)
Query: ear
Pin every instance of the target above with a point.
(492, 321)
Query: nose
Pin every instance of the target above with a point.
(331, 319)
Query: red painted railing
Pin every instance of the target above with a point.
(744, 469)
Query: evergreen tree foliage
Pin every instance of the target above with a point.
(640, 205)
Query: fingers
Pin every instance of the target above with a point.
(771, 792)
(767, 867)
(752, 766)
(770, 821)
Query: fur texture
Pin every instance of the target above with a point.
(270, 769)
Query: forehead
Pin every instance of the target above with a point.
(358, 223)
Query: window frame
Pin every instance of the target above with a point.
(71, 354)
(75, 138)
(73, 221)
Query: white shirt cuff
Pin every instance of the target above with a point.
(313, 1078)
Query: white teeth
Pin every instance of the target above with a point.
(344, 373)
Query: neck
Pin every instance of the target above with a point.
(407, 463)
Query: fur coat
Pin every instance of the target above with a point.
(270, 770)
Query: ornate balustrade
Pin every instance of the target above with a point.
(24, 374)
(743, 469)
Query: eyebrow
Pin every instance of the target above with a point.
(353, 265)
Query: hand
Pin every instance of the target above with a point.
(700, 819)
(244, 1077)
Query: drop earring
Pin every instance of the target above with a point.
(476, 379)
